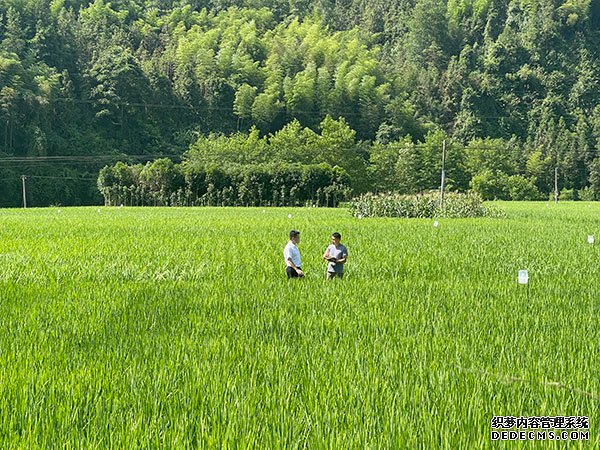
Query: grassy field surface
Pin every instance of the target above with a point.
(176, 328)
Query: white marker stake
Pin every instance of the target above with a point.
(523, 277)
(591, 239)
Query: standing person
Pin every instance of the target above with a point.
(291, 255)
(336, 255)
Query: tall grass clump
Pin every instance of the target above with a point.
(456, 205)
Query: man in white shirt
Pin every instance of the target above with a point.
(291, 255)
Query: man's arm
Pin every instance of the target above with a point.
(343, 259)
(327, 256)
(298, 271)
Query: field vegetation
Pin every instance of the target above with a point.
(176, 327)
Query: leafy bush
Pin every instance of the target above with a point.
(567, 194)
(491, 185)
(521, 188)
(499, 186)
(587, 194)
(421, 206)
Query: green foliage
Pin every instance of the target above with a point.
(568, 194)
(521, 188)
(383, 158)
(587, 194)
(490, 155)
(595, 178)
(419, 167)
(491, 185)
(244, 99)
(500, 186)
(456, 205)
(540, 168)
(238, 148)
(163, 183)
(334, 146)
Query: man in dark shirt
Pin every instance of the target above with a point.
(336, 255)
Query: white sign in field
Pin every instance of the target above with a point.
(523, 277)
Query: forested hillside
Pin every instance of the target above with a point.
(374, 87)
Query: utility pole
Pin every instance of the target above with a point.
(443, 174)
(23, 178)
(555, 185)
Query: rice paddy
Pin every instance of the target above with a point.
(177, 328)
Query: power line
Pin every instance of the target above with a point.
(284, 109)
(86, 157)
(198, 108)
(49, 177)
(62, 178)
(43, 161)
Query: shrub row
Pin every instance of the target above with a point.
(163, 183)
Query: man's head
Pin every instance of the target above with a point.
(295, 236)
(336, 238)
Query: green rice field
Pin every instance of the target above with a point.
(177, 328)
